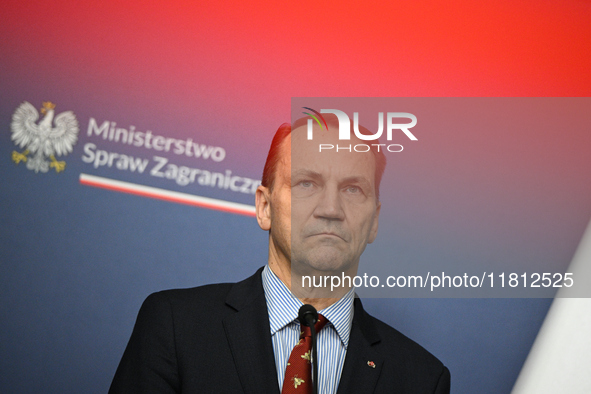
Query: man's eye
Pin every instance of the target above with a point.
(306, 184)
(353, 189)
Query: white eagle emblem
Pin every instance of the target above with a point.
(42, 140)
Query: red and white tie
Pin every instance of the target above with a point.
(298, 374)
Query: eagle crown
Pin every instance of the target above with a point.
(47, 105)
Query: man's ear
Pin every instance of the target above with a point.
(263, 207)
(373, 233)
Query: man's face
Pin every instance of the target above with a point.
(323, 210)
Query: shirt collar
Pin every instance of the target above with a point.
(283, 307)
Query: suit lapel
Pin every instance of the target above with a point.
(249, 337)
(362, 364)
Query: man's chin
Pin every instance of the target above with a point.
(321, 265)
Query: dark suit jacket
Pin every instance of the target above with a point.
(216, 339)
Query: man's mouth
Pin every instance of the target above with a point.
(328, 234)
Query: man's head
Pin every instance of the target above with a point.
(321, 208)
(284, 130)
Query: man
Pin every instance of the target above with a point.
(321, 210)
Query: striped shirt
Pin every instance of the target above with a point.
(332, 340)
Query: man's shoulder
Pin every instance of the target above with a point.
(395, 342)
(209, 292)
(210, 298)
(404, 359)
(181, 336)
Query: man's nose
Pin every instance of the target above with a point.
(329, 205)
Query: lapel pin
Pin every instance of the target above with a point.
(371, 364)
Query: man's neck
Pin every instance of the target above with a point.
(320, 298)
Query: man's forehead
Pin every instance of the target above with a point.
(322, 135)
(318, 169)
(306, 157)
